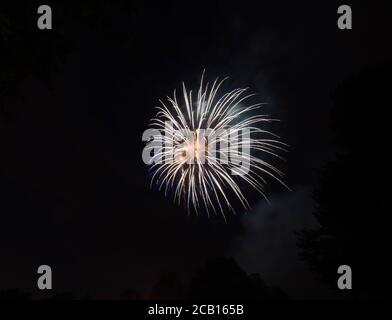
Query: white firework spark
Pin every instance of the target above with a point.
(200, 167)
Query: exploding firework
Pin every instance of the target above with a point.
(202, 150)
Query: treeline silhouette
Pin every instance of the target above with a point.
(217, 279)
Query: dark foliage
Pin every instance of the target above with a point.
(223, 278)
(353, 194)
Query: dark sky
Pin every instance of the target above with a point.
(74, 191)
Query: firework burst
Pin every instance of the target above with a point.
(204, 149)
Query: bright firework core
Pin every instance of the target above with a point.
(200, 150)
(193, 151)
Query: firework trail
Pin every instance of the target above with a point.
(203, 149)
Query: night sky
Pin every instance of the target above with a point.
(74, 189)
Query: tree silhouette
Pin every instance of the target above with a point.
(27, 52)
(14, 294)
(168, 287)
(131, 294)
(222, 278)
(352, 196)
